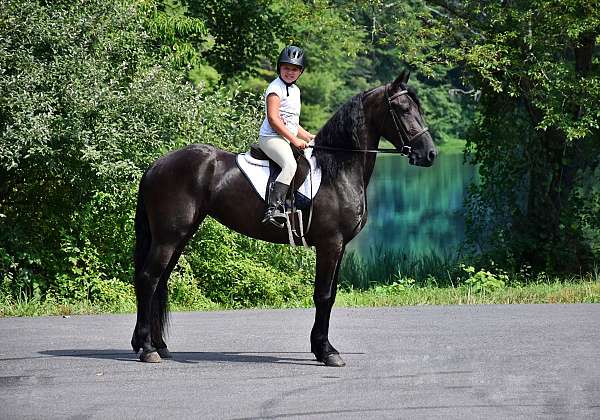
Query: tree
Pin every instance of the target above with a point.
(243, 32)
(87, 101)
(536, 64)
(394, 43)
(181, 39)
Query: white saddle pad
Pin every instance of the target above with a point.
(257, 172)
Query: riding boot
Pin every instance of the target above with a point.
(275, 213)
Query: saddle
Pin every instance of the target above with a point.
(304, 185)
(293, 199)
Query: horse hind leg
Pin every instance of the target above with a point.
(160, 307)
(160, 317)
(147, 281)
(157, 314)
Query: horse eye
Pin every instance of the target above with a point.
(404, 107)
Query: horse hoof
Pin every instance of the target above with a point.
(334, 360)
(150, 357)
(164, 353)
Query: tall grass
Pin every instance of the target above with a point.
(385, 266)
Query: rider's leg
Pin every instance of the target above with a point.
(279, 150)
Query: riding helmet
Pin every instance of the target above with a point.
(291, 55)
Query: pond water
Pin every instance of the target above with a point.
(416, 210)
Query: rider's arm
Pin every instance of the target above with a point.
(305, 135)
(276, 122)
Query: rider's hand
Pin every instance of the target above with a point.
(300, 144)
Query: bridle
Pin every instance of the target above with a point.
(400, 129)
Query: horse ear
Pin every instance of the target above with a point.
(402, 78)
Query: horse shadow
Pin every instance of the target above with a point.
(293, 358)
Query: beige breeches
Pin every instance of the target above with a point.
(278, 149)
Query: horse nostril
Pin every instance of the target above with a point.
(431, 155)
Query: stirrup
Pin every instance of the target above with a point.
(273, 216)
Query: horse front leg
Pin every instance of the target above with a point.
(329, 259)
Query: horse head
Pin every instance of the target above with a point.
(404, 125)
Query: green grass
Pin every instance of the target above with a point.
(585, 290)
(452, 146)
(25, 306)
(384, 278)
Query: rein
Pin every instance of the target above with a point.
(405, 150)
(400, 129)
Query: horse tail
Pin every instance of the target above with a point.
(143, 238)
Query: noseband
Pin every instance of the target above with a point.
(400, 128)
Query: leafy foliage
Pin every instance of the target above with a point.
(536, 65)
(180, 38)
(241, 272)
(243, 32)
(87, 104)
(484, 281)
(92, 92)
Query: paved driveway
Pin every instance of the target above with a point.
(521, 361)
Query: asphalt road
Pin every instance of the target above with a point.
(480, 362)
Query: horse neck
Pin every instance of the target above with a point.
(360, 171)
(370, 138)
(371, 142)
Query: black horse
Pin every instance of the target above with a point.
(181, 188)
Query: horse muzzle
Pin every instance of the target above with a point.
(422, 158)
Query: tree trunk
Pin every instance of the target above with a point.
(555, 162)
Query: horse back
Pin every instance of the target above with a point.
(182, 171)
(184, 186)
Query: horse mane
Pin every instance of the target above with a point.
(413, 94)
(342, 131)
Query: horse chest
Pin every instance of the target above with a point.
(354, 212)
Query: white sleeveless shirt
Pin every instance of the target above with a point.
(289, 107)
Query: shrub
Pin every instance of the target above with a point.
(86, 104)
(484, 281)
(241, 272)
(184, 290)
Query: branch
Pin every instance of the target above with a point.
(444, 5)
(476, 94)
(453, 11)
